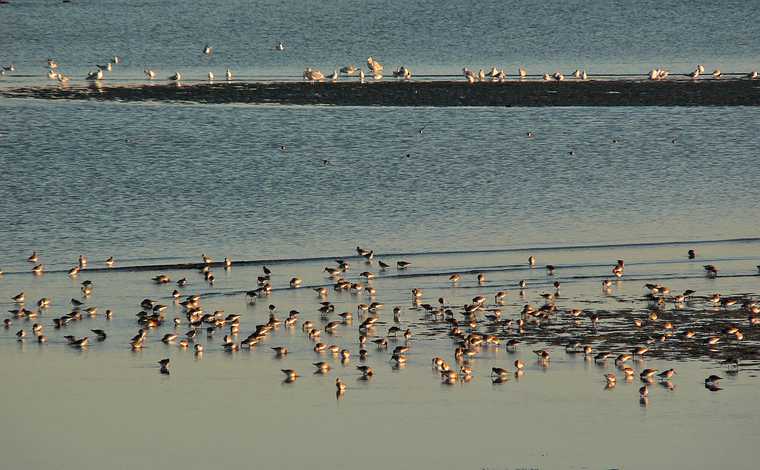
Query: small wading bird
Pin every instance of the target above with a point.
(474, 328)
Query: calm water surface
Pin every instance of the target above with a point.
(81, 408)
(159, 184)
(452, 190)
(172, 181)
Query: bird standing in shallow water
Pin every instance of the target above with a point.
(711, 270)
(290, 374)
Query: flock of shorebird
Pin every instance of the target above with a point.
(374, 71)
(468, 342)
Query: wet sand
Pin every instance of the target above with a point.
(675, 92)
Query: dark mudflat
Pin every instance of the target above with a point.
(676, 92)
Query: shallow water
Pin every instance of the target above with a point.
(107, 403)
(157, 184)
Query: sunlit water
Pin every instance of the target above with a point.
(451, 190)
(107, 403)
(160, 184)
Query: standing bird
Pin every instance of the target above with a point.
(374, 66)
(207, 50)
(290, 374)
(95, 75)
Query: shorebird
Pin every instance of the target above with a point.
(100, 334)
(711, 270)
(349, 70)
(647, 374)
(374, 66)
(207, 50)
(522, 73)
(211, 76)
(149, 74)
(313, 75)
(280, 46)
(340, 385)
(403, 264)
(290, 374)
(469, 75)
(169, 338)
(95, 75)
(712, 380)
(176, 77)
(399, 359)
(164, 364)
(322, 367)
(542, 354)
